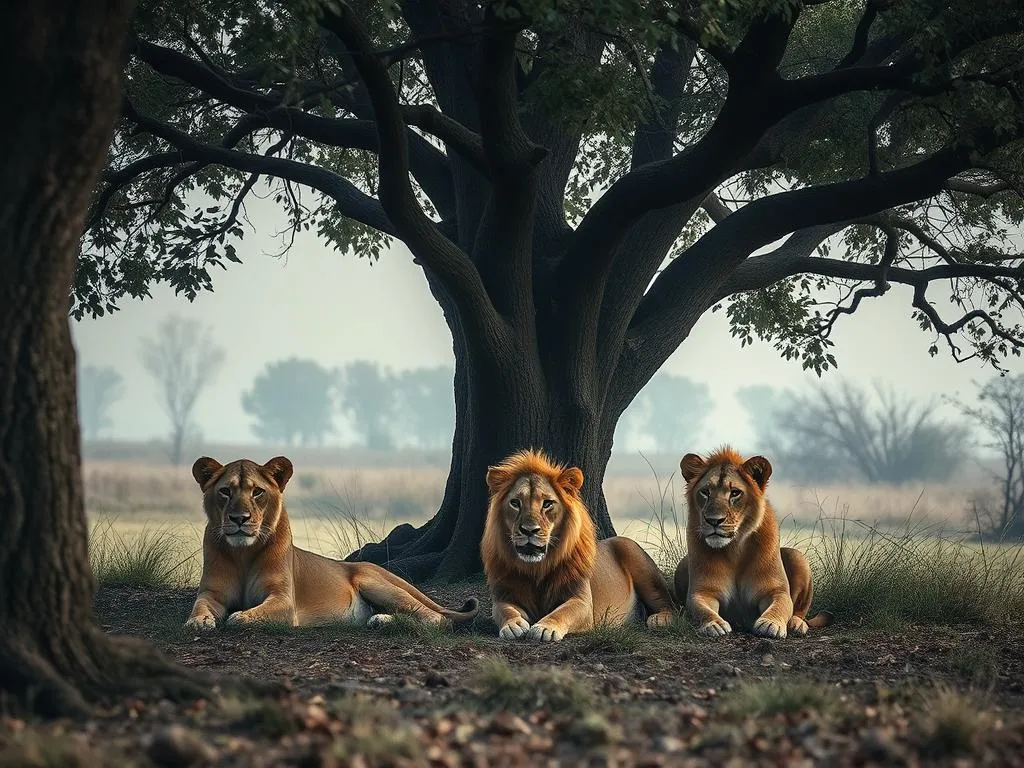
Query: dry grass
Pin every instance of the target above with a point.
(151, 558)
(497, 686)
(955, 722)
(765, 698)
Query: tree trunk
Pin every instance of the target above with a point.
(60, 62)
(497, 414)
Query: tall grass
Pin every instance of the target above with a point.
(918, 574)
(153, 558)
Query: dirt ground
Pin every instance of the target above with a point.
(842, 696)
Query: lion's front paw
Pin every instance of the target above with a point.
(239, 617)
(517, 627)
(797, 626)
(769, 628)
(203, 621)
(545, 634)
(660, 619)
(716, 627)
(379, 619)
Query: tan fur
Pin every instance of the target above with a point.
(265, 577)
(741, 577)
(576, 581)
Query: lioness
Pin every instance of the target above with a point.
(252, 571)
(547, 573)
(735, 573)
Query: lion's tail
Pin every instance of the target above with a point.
(399, 593)
(822, 619)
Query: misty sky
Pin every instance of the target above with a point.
(335, 308)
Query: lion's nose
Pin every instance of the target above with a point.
(714, 519)
(529, 529)
(239, 519)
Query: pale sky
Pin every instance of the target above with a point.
(335, 308)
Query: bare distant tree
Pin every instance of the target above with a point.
(183, 360)
(99, 387)
(999, 412)
(819, 435)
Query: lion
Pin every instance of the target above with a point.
(735, 573)
(252, 572)
(547, 573)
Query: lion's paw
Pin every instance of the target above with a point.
(715, 627)
(545, 634)
(770, 628)
(513, 629)
(379, 619)
(239, 617)
(205, 621)
(797, 626)
(660, 619)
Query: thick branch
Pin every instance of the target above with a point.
(437, 253)
(427, 163)
(353, 202)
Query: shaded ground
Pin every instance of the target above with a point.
(843, 696)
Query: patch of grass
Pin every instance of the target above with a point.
(665, 528)
(954, 722)
(498, 686)
(154, 558)
(375, 733)
(43, 748)
(594, 729)
(607, 638)
(409, 625)
(917, 575)
(772, 697)
(978, 663)
(265, 716)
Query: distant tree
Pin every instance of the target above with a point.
(99, 387)
(999, 413)
(367, 397)
(183, 360)
(292, 400)
(670, 411)
(426, 405)
(820, 435)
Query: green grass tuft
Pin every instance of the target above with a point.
(153, 559)
(409, 625)
(955, 722)
(498, 686)
(375, 735)
(916, 575)
(771, 697)
(607, 638)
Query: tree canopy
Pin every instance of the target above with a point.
(880, 138)
(291, 400)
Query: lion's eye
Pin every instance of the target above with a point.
(703, 493)
(735, 493)
(547, 504)
(257, 492)
(225, 491)
(514, 503)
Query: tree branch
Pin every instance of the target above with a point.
(427, 163)
(353, 202)
(435, 251)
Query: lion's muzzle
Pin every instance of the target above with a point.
(530, 551)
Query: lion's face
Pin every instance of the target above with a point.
(726, 500)
(532, 509)
(243, 500)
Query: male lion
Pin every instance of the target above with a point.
(252, 571)
(735, 572)
(547, 573)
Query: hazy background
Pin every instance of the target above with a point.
(334, 308)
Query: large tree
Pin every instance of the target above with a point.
(292, 400)
(60, 64)
(580, 182)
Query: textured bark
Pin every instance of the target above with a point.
(60, 63)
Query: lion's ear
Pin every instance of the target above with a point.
(497, 478)
(759, 468)
(571, 479)
(280, 468)
(204, 469)
(692, 466)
